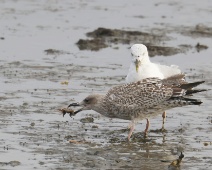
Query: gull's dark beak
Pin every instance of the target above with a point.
(77, 111)
(73, 104)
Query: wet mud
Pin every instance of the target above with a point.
(43, 71)
(200, 30)
(55, 52)
(105, 37)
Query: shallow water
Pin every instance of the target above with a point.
(34, 135)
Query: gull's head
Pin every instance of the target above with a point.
(139, 55)
(91, 102)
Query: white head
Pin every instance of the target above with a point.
(139, 55)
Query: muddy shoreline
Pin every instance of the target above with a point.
(54, 54)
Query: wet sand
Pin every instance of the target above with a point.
(43, 70)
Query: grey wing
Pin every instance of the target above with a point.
(142, 94)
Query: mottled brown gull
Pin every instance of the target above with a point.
(142, 99)
(141, 67)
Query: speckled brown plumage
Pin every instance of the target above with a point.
(143, 99)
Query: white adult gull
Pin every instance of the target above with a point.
(141, 99)
(141, 67)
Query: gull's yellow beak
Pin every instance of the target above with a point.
(137, 64)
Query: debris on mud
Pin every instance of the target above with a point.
(78, 142)
(64, 82)
(104, 37)
(199, 30)
(158, 130)
(176, 163)
(114, 132)
(55, 52)
(140, 137)
(125, 37)
(199, 47)
(93, 45)
(162, 51)
(11, 163)
(117, 140)
(207, 143)
(69, 137)
(66, 110)
(87, 120)
(32, 124)
(95, 126)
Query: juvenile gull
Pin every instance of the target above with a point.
(141, 67)
(142, 99)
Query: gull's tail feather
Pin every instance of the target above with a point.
(188, 86)
(189, 92)
(182, 101)
(192, 101)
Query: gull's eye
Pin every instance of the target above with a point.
(86, 100)
(138, 56)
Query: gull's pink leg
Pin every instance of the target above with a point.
(132, 127)
(147, 127)
(164, 118)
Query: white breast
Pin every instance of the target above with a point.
(145, 71)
